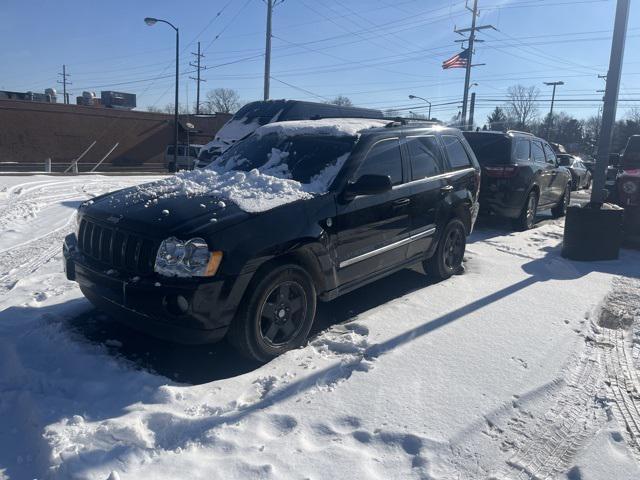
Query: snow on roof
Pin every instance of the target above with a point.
(325, 126)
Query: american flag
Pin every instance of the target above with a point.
(459, 60)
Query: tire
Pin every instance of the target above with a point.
(588, 185)
(447, 259)
(268, 323)
(527, 218)
(574, 185)
(560, 210)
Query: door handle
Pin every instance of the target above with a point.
(446, 189)
(401, 202)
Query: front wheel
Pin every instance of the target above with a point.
(278, 314)
(560, 210)
(447, 259)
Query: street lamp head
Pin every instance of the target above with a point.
(412, 97)
(150, 21)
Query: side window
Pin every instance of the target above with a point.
(458, 157)
(551, 156)
(426, 157)
(522, 151)
(537, 154)
(383, 159)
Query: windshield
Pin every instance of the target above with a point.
(304, 158)
(490, 149)
(564, 160)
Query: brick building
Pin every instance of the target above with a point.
(31, 132)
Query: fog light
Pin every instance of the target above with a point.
(176, 304)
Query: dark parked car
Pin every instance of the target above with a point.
(520, 176)
(625, 189)
(395, 195)
(580, 174)
(255, 114)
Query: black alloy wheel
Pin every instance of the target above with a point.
(527, 218)
(449, 255)
(283, 313)
(276, 314)
(560, 210)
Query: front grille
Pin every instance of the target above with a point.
(117, 248)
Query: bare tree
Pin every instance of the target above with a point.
(341, 101)
(521, 104)
(633, 114)
(222, 100)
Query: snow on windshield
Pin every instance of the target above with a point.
(272, 183)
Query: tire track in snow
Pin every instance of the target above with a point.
(619, 337)
(558, 434)
(18, 262)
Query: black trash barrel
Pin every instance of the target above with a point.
(593, 233)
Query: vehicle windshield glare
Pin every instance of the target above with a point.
(304, 158)
(489, 149)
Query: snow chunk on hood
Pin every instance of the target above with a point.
(252, 191)
(348, 127)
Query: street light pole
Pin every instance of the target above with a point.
(411, 97)
(152, 21)
(553, 99)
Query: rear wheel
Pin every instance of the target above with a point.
(278, 314)
(560, 210)
(447, 259)
(527, 218)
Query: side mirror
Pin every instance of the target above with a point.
(368, 185)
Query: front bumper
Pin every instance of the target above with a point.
(189, 311)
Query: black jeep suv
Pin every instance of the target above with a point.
(520, 175)
(295, 212)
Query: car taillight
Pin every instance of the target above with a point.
(501, 171)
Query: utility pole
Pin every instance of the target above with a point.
(197, 78)
(64, 83)
(271, 4)
(471, 42)
(610, 101)
(472, 109)
(553, 99)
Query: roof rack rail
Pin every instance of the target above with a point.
(521, 132)
(398, 121)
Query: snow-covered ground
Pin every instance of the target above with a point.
(525, 366)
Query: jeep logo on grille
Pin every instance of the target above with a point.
(114, 218)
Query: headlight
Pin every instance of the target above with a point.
(192, 258)
(629, 187)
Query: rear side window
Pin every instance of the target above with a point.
(384, 158)
(522, 151)
(551, 156)
(425, 155)
(458, 157)
(537, 154)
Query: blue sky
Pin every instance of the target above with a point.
(376, 52)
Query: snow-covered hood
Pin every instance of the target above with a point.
(189, 200)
